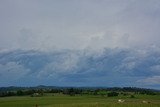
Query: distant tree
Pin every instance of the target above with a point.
(3, 94)
(55, 91)
(112, 94)
(10, 93)
(71, 92)
(20, 93)
(29, 92)
(40, 92)
(95, 92)
(102, 92)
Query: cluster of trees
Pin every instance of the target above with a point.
(69, 91)
(20, 92)
(110, 92)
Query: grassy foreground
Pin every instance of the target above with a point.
(79, 101)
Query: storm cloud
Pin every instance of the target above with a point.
(80, 42)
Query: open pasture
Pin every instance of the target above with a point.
(80, 101)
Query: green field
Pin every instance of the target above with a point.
(79, 101)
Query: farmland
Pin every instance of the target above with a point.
(60, 100)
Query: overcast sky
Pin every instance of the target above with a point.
(80, 42)
(78, 24)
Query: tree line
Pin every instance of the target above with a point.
(72, 91)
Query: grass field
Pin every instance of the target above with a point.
(80, 101)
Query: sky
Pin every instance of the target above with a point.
(80, 43)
